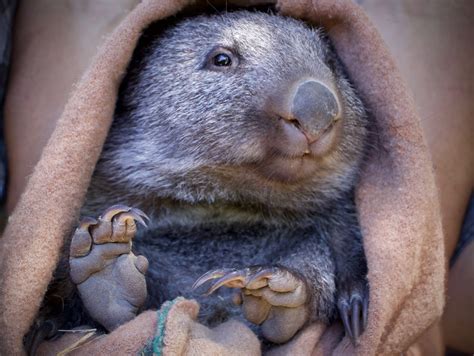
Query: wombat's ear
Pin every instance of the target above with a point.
(154, 31)
(150, 34)
(223, 6)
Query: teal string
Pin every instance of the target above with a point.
(156, 345)
(160, 328)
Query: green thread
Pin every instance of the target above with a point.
(155, 346)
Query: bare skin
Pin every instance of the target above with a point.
(432, 44)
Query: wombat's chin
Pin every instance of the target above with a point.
(287, 169)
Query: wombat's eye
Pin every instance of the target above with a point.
(222, 60)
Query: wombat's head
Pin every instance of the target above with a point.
(240, 106)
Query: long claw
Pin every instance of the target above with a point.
(140, 214)
(112, 224)
(217, 273)
(235, 279)
(265, 274)
(356, 320)
(122, 218)
(343, 312)
(109, 214)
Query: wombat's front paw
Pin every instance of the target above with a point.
(109, 277)
(271, 296)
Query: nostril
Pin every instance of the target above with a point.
(295, 122)
(291, 120)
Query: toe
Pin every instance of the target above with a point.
(237, 298)
(123, 228)
(131, 282)
(283, 323)
(117, 224)
(286, 299)
(277, 286)
(142, 264)
(284, 281)
(102, 232)
(81, 268)
(255, 309)
(81, 242)
(259, 277)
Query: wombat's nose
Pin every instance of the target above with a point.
(313, 109)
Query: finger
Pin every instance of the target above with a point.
(123, 227)
(142, 264)
(284, 281)
(81, 242)
(260, 278)
(83, 267)
(255, 309)
(102, 233)
(288, 299)
(283, 323)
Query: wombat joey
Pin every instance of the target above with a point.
(241, 138)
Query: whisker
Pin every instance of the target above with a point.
(213, 7)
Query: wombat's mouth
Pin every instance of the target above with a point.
(297, 157)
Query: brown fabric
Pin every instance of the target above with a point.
(431, 343)
(397, 198)
(185, 336)
(128, 339)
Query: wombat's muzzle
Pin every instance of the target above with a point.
(313, 108)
